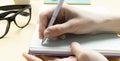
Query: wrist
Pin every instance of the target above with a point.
(110, 24)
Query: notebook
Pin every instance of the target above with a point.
(106, 44)
(68, 1)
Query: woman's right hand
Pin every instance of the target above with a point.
(71, 20)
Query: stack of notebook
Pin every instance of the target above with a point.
(107, 44)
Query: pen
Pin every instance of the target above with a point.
(55, 13)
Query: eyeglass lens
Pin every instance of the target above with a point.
(21, 19)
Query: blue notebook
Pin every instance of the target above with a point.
(106, 44)
(68, 1)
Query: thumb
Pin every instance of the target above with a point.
(86, 55)
(31, 57)
(56, 30)
(76, 49)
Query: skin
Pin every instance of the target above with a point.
(76, 21)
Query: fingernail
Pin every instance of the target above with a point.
(63, 37)
(46, 33)
(41, 37)
(75, 44)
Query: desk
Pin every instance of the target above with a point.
(17, 41)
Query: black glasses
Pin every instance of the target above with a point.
(19, 14)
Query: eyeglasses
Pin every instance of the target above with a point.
(19, 14)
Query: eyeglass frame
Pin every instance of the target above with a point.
(12, 18)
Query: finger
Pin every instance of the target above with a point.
(71, 26)
(31, 57)
(42, 24)
(71, 58)
(44, 19)
(57, 30)
(41, 31)
(54, 31)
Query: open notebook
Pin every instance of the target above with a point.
(107, 44)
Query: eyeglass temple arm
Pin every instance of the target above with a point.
(2, 15)
(10, 7)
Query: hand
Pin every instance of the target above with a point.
(80, 53)
(83, 54)
(33, 58)
(72, 20)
